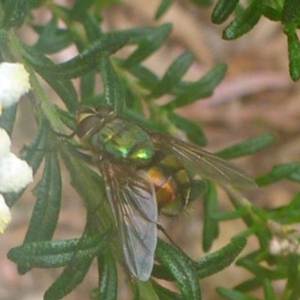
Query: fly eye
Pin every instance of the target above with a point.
(103, 111)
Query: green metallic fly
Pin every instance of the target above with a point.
(146, 173)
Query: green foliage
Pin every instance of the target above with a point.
(164, 5)
(108, 282)
(129, 86)
(245, 18)
(210, 225)
(247, 147)
(48, 199)
(182, 269)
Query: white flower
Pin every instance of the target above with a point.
(5, 216)
(5, 142)
(14, 82)
(283, 246)
(15, 173)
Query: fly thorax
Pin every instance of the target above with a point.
(142, 152)
(125, 142)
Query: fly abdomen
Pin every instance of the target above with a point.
(172, 184)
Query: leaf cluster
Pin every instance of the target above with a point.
(244, 15)
(245, 18)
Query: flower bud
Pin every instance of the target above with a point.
(14, 82)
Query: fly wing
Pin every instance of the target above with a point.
(205, 163)
(133, 202)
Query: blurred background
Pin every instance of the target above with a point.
(257, 96)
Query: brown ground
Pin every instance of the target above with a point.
(256, 97)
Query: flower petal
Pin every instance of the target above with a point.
(15, 173)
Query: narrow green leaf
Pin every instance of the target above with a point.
(148, 45)
(69, 279)
(91, 25)
(46, 210)
(36, 59)
(162, 272)
(164, 293)
(144, 291)
(252, 256)
(113, 90)
(271, 13)
(173, 75)
(269, 293)
(87, 85)
(246, 147)
(249, 285)
(65, 90)
(72, 275)
(192, 130)
(107, 44)
(262, 272)
(290, 11)
(287, 214)
(108, 278)
(202, 88)
(80, 9)
(53, 254)
(210, 224)
(278, 172)
(182, 268)
(63, 87)
(219, 260)
(222, 10)
(294, 55)
(247, 232)
(15, 12)
(147, 78)
(140, 119)
(234, 295)
(67, 118)
(52, 39)
(163, 7)
(138, 34)
(293, 277)
(230, 214)
(132, 97)
(244, 22)
(35, 3)
(295, 176)
(48, 193)
(87, 60)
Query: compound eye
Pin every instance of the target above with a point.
(103, 111)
